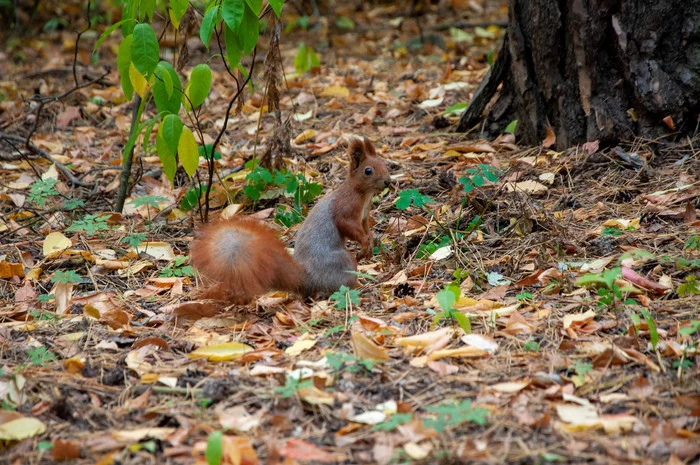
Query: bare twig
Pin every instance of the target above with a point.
(44, 154)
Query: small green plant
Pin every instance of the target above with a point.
(690, 330)
(582, 369)
(429, 247)
(343, 22)
(608, 231)
(176, 268)
(689, 287)
(510, 129)
(531, 346)
(692, 243)
(343, 361)
(344, 296)
(408, 196)
(683, 263)
(447, 298)
(65, 277)
(262, 183)
(292, 387)
(215, 448)
(524, 297)
(44, 446)
(608, 291)
(134, 239)
(73, 204)
(90, 224)
(40, 356)
(192, 197)
(651, 324)
(477, 177)
(40, 191)
(148, 200)
(393, 422)
(452, 414)
(287, 216)
(41, 315)
(305, 59)
(53, 24)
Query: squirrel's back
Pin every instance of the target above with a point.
(243, 258)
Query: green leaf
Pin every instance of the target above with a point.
(653, 333)
(166, 158)
(305, 59)
(458, 35)
(232, 12)
(145, 52)
(343, 22)
(609, 276)
(234, 49)
(255, 6)
(462, 321)
(215, 448)
(65, 277)
(167, 89)
(191, 198)
(205, 151)
(456, 109)
(478, 180)
(276, 6)
(90, 224)
(108, 32)
(393, 422)
(200, 83)
(150, 200)
(510, 129)
(249, 31)
(208, 24)
(446, 299)
(187, 150)
(123, 62)
(179, 8)
(150, 124)
(170, 130)
(148, 7)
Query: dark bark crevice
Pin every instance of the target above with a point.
(594, 70)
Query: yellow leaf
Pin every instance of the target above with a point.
(187, 149)
(306, 135)
(315, 396)
(173, 18)
(21, 428)
(305, 342)
(138, 80)
(221, 352)
(55, 243)
(335, 91)
(157, 250)
(366, 349)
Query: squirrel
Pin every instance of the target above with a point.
(243, 258)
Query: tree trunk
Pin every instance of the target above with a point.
(594, 70)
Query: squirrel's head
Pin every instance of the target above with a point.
(367, 169)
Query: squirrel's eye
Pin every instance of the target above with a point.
(368, 171)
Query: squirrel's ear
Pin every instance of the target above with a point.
(356, 150)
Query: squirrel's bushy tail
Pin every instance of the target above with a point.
(241, 258)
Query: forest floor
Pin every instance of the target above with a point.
(579, 285)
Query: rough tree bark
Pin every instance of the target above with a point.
(594, 70)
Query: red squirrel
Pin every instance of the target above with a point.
(243, 258)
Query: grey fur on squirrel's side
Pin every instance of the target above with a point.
(320, 251)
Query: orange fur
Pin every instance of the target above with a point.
(261, 263)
